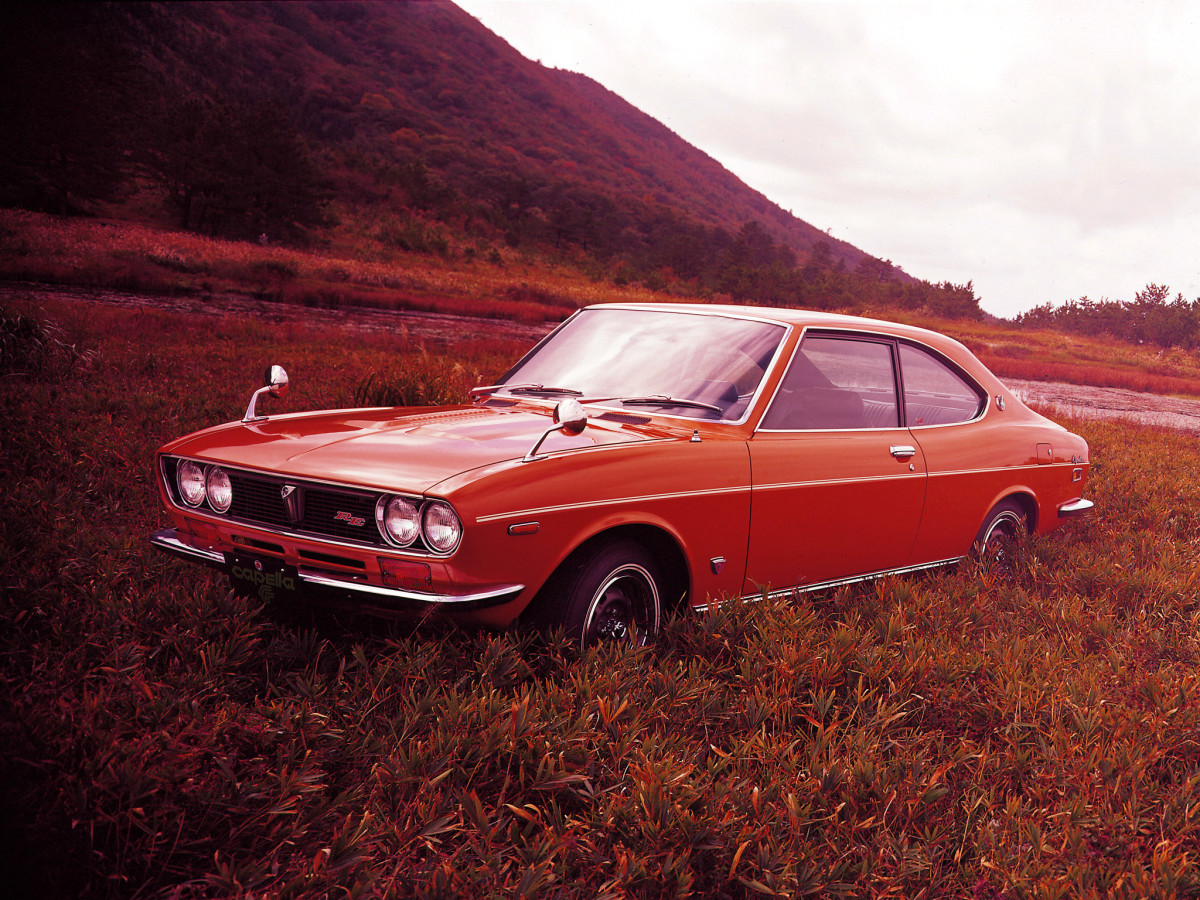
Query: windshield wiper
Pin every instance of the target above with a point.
(664, 400)
(542, 389)
(523, 389)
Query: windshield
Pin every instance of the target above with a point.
(687, 364)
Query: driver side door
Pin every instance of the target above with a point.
(838, 483)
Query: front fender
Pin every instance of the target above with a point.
(527, 518)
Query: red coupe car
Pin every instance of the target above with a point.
(640, 458)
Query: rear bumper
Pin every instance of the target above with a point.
(168, 541)
(1074, 508)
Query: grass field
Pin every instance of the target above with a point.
(125, 256)
(354, 271)
(946, 736)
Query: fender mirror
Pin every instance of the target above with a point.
(569, 417)
(276, 385)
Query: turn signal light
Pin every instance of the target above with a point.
(405, 575)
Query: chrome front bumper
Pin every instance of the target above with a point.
(1074, 508)
(168, 541)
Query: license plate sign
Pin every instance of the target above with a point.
(267, 579)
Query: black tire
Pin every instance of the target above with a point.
(1000, 540)
(612, 592)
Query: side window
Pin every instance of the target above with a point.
(836, 382)
(934, 394)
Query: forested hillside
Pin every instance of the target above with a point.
(410, 120)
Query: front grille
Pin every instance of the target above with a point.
(316, 509)
(257, 499)
(341, 515)
(300, 507)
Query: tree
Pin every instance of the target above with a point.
(1159, 322)
(820, 258)
(235, 168)
(70, 91)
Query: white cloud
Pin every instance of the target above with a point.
(1044, 150)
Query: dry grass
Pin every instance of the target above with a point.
(35, 247)
(356, 270)
(953, 735)
(1076, 359)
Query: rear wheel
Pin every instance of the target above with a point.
(998, 543)
(610, 593)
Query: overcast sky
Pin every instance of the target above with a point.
(1046, 151)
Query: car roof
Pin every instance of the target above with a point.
(801, 318)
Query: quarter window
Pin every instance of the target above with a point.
(836, 382)
(934, 394)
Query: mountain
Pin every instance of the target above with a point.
(270, 116)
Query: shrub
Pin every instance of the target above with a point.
(419, 385)
(35, 348)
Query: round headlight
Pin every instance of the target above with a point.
(190, 478)
(441, 526)
(399, 520)
(220, 490)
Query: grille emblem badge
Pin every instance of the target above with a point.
(291, 499)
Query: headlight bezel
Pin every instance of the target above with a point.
(423, 511)
(198, 485)
(220, 495)
(384, 506)
(188, 471)
(453, 524)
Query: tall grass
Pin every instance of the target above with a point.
(33, 347)
(358, 270)
(125, 256)
(952, 735)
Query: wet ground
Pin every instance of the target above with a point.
(1065, 399)
(421, 325)
(1109, 403)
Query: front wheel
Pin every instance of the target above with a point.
(998, 543)
(610, 593)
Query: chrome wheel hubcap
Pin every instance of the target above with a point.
(625, 604)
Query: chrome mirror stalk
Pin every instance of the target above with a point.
(569, 417)
(276, 385)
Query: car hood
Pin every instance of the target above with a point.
(393, 449)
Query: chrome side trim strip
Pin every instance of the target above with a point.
(947, 473)
(833, 482)
(834, 583)
(1074, 508)
(645, 498)
(790, 485)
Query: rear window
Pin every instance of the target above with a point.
(934, 393)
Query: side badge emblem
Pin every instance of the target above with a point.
(717, 563)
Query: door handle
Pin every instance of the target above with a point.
(903, 451)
